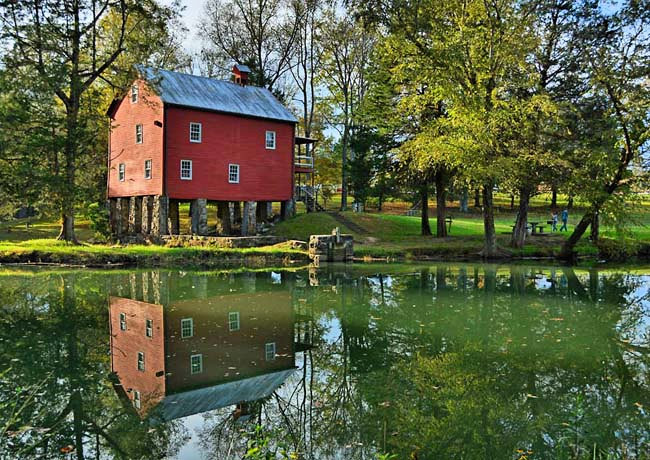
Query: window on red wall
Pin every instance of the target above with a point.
(134, 94)
(270, 140)
(138, 134)
(195, 132)
(233, 174)
(186, 169)
(121, 172)
(147, 169)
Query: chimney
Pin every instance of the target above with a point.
(240, 74)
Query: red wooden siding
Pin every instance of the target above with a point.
(125, 346)
(264, 175)
(228, 355)
(123, 148)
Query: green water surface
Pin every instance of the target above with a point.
(428, 362)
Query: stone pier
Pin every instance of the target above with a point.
(287, 209)
(135, 215)
(159, 215)
(199, 217)
(147, 211)
(123, 204)
(249, 221)
(224, 226)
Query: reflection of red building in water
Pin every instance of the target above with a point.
(196, 355)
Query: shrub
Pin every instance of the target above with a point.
(98, 216)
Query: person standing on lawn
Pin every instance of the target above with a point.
(565, 220)
(554, 220)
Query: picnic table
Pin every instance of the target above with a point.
(534, 226)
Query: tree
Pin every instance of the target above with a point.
(65, 49)
(345, 58)
(478, 50)
(260, 34)
(616, 57)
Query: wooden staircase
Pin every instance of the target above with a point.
(309, 196)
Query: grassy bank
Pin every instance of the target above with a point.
(389, 234)
(386, 235)
(50, 251)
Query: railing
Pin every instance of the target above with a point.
(304, 161)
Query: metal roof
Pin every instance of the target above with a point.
(243, 68)
(221, 96)
(192, 402)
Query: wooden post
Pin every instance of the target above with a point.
(174, 218)
(224, 226)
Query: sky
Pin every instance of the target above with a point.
(191, 17)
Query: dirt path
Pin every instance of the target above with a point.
(341, 219)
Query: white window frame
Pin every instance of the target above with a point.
(121, 172)
(230, 173)
(139, 133)
(190, 169)
(200, 139)
(141, 368)
(200, 363)
(269, 351)
(148, 328)
(270, 146)
(234, 323)
(148, 170)
(122, 321)
(137, 401)
(191, 323)
(135, 94)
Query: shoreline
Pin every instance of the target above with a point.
(123, 257)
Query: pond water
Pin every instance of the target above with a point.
(438, 361)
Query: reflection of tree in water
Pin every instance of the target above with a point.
(446, 362)
(54, 393)
(472, 363)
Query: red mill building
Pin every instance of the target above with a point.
(204, 348)
(182, 138)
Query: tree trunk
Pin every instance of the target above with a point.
(553, 197)
(424, 199)
(595, 227)
(344, 170)
(512, 201)
(569, 205)
(441, 211)
(519, 233)
(567, 248)
(477, 198)
(68, 190)
(490, 248)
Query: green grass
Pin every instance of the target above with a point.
(387, 234)
(54, 251)
(395, 236)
